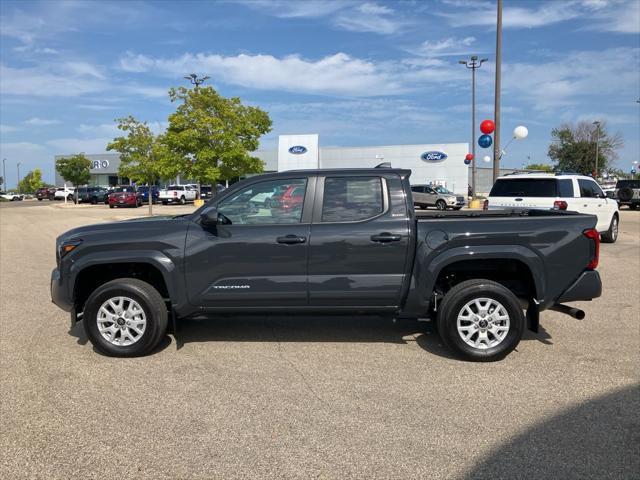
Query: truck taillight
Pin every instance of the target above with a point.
(593, 234)
(560, 205)
(485, 205)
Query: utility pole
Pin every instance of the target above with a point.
(597, 124)
(18, 177)
(496, 111)
(473, 65)
(195, 81)
(4, 173)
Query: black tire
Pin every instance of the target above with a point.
(457, 208)
(39, 199)
(625, 194)
(633, 206)
(441, 205)
(164, 203)
(456, 299)
(611, 235)
(112, 206)
(94, 201)
(183, 200)
(147, 297)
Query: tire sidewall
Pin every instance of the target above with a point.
(151, 311)
(447, 324)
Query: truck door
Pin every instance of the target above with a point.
(257, 255)
(359, 241)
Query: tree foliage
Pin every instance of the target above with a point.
(144, 158)
(31, 181)
(74, 169)
(574, 147)
(540, 166)
(212, 135)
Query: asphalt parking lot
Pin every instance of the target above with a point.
(284, 397)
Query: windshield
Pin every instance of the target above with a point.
(124, 189)
(443, 190)
(175, 187)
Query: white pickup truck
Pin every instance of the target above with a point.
(178, 194)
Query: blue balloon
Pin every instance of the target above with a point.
(467, 162)
(485, 141)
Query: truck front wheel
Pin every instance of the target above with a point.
(125, 317)
(480, 320)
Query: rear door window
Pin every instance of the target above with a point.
(565, 188)
(350, 199)
(525, 187)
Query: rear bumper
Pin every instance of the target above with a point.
(59, 292)
(588, 286)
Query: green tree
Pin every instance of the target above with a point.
(32, 181)
(143, 155)
(74, 169)
(212, 135)
(540, 166)
(574, 147)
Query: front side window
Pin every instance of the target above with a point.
(350, 199)
(269, 202)
(589, 189)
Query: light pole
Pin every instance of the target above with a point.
(4, 173)
(195, 81)
(496, 108)
(597, 124)
(18, 177)
(473, 65)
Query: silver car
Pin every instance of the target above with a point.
(436, 196)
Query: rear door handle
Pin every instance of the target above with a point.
(385, 237)
(291, 239)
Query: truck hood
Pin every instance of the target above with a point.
(118, 228)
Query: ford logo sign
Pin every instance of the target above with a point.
(433, 156)
(298, 150)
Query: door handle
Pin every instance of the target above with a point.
(385, 237)
(291, 239)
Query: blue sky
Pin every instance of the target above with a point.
(356, 72)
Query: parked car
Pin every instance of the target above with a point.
(287, 199)
(207, 192)
(126, 196)
(143, 191)
(357, 245)
(178, 194)
(436, 196)
(93, 195)
(12, 196)
(64, 192)
(576, 193)
(627, 192)
(45, 193)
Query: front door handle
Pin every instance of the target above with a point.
(291, 239)
(385, 237)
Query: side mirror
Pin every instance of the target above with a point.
(209, 217)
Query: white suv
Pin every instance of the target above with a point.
(577, 193)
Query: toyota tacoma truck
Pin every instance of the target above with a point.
(350, 244)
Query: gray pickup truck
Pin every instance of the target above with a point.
(329, 242)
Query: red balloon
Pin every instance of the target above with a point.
(487, 127)
(469, 156)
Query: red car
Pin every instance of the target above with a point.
(290, 199)
(124, 197)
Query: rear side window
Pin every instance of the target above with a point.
(349, 199)
(565, 188)
(525, 187)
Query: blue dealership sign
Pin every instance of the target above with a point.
(433, 156)
(298, 150)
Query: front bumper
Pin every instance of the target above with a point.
(59, 292)
(587, 287)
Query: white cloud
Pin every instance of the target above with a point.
(75, 145)
(337, 74)
(515, 17)
(347, 15)
(42, 121)
(4, 128)
(49, 80)
(446, 47)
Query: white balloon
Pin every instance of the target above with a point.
(486, 158)
(520, 132)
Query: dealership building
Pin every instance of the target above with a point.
(441, 164)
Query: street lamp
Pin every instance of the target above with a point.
(195, 81)
(18, 177)
(473, 65)
(4, 173)
(597, 124)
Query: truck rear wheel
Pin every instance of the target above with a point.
(125, 317)
(480, 320)
(611, 235)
